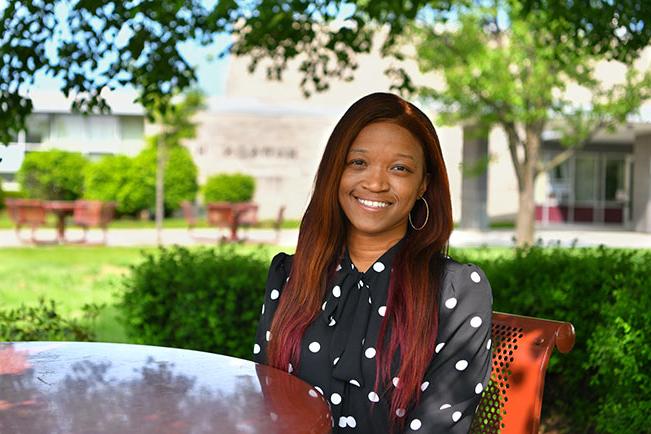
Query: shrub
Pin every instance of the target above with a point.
(43, 323)
(106, 179)
(2, 196)
(54, 174)
(132, 181)
(205, 299)
(602, 385)
(235, 187)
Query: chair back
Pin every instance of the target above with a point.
(220, 214)
(28, 212)
(247, 214)
(11, 209)
(522, 345)
(93, 213)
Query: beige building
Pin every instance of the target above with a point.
(269, 130)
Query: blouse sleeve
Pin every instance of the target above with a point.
(276, 280)
(460, 368)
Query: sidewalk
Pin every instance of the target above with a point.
(289, 237)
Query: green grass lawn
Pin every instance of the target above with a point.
(72, 277)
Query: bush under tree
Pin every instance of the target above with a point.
(224, 187)
(52, 175)
(205, 299)
(132, 181)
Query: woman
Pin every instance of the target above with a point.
(370, 310)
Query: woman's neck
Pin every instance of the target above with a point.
(365, 250)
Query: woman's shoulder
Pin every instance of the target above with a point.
(281, 263)
(464, 277)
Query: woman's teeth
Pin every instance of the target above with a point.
(372, 203)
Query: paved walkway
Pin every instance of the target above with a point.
(288, 237)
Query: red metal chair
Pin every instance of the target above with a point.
(27, 212)
(522, 345)
(93, 213)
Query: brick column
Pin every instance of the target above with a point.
(642, 184)
(474, 183)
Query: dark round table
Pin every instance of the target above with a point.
(98, 388)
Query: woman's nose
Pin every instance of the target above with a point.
(376, 180)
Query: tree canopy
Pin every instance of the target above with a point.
(92, 45)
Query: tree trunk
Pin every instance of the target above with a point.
(160, 188)
(524, 228)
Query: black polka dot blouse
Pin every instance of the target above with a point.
(338, 354)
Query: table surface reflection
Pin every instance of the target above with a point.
(98, 388)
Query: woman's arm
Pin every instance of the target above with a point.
(461, 365)
(276, 280)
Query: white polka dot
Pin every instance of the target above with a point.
(400, 412)
(342, 421)
(373, 397)
(450, 303)
(395, 381)
(273, 416)
(456, 416)
(370, 301)
(268, 335)
(335, 398)
(475, 277)
(338, 267)
(312, 393)
(415, 424)
(360, 284)
(332, 322)
(439, 347)
(275, 294)
(445, 406)
(475, 321)
(256, 349)
(336, 291)
(290, 368)
(461, 365)
(479, 388)
(363, 340)
(424, 386)
(314, 347)
(354, 383)
(379, 267)
(369, 353)
(334, 362)
(488, 345)
(324, 305)
(351, 421)
(382, 310)
(262, 308)
(319, 389)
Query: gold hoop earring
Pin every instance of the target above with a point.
(426, 216)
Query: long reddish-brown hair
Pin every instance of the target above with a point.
(412, 305)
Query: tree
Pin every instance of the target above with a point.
(176, 125)
(501, 68)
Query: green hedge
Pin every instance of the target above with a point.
(54, 175)
(210, 300)
(224, 187)
(43, 323)
(205, 299)
(132, 181)
(603, 385)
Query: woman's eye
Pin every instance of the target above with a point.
(356, 162)
(401, 168)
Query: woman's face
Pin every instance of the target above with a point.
(383, 177)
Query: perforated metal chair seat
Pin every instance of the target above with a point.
(522, 345)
